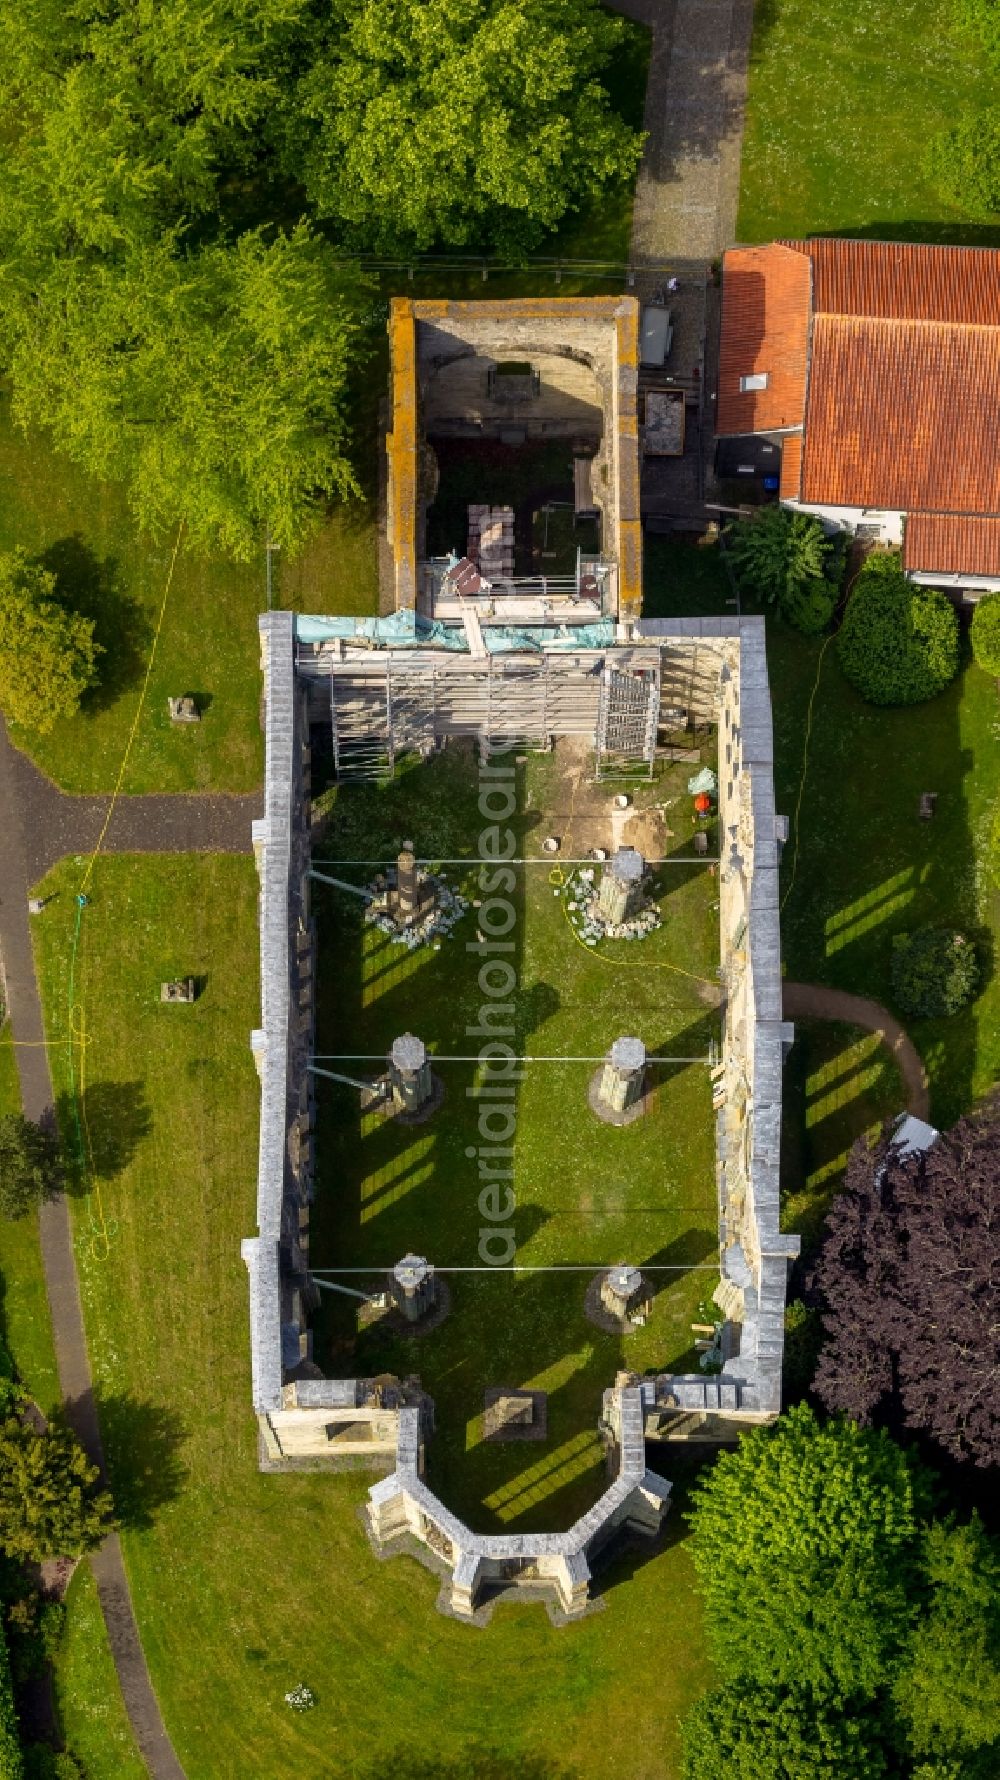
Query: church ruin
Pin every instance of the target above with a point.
(522, 664)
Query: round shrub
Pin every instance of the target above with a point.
(985, 633)
(935, 971)
(898, 643)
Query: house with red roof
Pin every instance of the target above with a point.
(875, 367)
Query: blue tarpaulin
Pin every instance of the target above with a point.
(406, 630)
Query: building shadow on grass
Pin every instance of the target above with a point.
(88, 583)
(142, 1442)
(102, 1129)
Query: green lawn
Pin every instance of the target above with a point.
(840, 1083)
(243, 1584)
(89, 1702)
(587, 1194)
(843, 99)
(90, 1707)
(865, 866)
(24, 1308)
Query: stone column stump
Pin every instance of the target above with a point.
(617, 1091)
(624, 1294)
(413, 1287)
(620, 893)
(410, 1073)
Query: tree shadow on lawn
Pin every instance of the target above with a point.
(90, 584)
(142, 1448)
(102, 1129)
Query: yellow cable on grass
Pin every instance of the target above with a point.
(138, 713)
(77, 1039)
(627, 964)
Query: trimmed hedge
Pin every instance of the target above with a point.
(935, 971)
(898, 644)
(985, 634)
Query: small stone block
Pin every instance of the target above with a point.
(181, 991)
(514, 1415)
(183, 710)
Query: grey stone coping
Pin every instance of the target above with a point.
(725, 653)
(473, 1547)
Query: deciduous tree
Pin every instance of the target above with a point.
(984, 630)
(213, 386)
(48, 657)
(804, 1541)
(743, 1731)
(898, 643)
(458, 121)
(908, 1278)
(948, 1689)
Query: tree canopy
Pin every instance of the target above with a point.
(907, 1280)
(804, 1540)
(48, 656)
(984, 633)
(169, 308)
(214, 386)
(458, 121)
(29, 1165)
(743, 1731)
(788, 560)
(50, 1505)
(948, 1690)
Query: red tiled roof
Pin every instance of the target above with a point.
(765, 327)
(943, 544)
(902, 281)
(903, 415)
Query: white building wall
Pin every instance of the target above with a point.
(847, 519)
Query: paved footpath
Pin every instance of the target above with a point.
(688, 188)
(38, 825)
(812, 1001)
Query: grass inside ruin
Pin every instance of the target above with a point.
(587, 1194)
(245, 1585)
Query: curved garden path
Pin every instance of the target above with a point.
(813, 1001)
(38, 825)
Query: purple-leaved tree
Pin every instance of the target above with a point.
(908, 1279)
